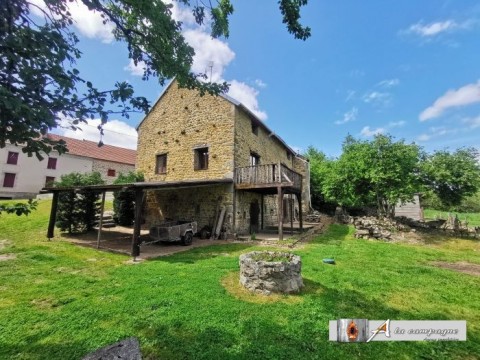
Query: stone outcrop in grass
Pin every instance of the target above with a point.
(267, 272)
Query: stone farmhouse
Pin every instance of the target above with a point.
(209, 158)
(23, 176)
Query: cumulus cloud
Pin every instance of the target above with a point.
(466, 95)
(135, 70)
(88, 23)
(348, 116)
(367, 132)
(394, 124)
(247, 96)
(472, 123)
(116, 132)
(208, 50)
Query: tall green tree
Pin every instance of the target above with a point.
(77, 209)
(452, 177)
(378, 173)
(124, 200)
(40, 85)
(320, 167)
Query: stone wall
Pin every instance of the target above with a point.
(198, 204)
(180, 122)
(103, 166)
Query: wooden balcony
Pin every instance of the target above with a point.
(267, 178)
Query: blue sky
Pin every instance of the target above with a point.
(409, 68)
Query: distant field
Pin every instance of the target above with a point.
(472, 218)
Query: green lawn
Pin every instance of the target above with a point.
(58, 301)
(472, 218)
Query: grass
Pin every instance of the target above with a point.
(472, 218)
(271, 257)
(59, 301)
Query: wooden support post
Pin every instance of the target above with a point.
(136, 225)
(300, 211)
(262, 206)
(290, 200)
(280, 212)
(100, 220)
(53, 215)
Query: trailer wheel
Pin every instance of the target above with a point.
(187, 239)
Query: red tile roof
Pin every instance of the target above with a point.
(90, 149)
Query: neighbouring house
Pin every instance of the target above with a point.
(208, 155)
(23, 176)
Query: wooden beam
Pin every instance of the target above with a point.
(100, 220)
(290, 200)
(136, 225)
(262, 206)
(53, 216)
(280, 212)
(300, 211)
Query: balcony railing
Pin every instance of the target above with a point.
(268, 175)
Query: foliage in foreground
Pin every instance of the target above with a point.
(21, 208)
(77, 209)
(60, 301)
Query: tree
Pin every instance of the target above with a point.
(320, 167)
(40, 86)
(77, 209)
(452, 177)
(378, 173)
(124, 200)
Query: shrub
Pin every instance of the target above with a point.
(76, 210)
(124, 200)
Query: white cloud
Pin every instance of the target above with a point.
(116, 132)
(396, 124)
(247, 96)
(388, 83)
(208, 49)
(348, 116)
(88, 23)
(367, 132)
(433, 29)
(472, 123)
(376, 98)
(436, 132)
(260, 83)
(350, 95)
(180, 13)
(466, 95)
(135, 70)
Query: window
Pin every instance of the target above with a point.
(12, 158)
(49, 180)
(288, 155)
(254, 128)
(9, 180)
(161, 167)
(201, 159)
(254, 159)
(111, 172)
(52, 163)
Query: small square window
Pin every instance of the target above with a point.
(9, 180)
(254, 128)
(161, 164)
(201, 159)
(12, 158)
(52, 163)
(111, 172)
(254, 159)
(49, 180)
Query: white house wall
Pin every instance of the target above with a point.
(31, 173)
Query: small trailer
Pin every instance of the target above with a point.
(170, 231)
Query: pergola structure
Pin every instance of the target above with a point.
(139, 189)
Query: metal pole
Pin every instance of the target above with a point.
(100, 223)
